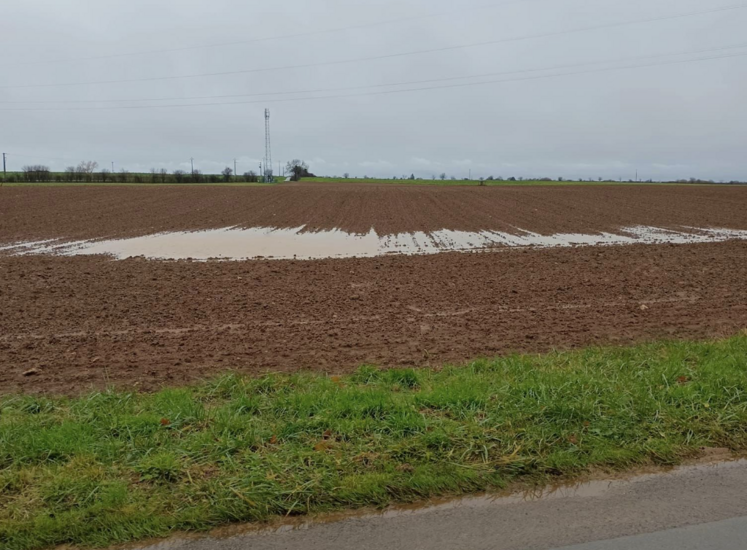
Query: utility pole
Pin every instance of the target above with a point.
(112, 167)
(4, 171)
(234, 167)
(192, 160)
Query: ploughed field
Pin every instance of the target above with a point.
(70, 323)
(91, 212)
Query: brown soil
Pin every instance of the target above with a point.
(84, 322)
(90, 212)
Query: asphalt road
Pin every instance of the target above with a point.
(699, 507)
(730, 534)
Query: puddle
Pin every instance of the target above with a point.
(269, 243)
(28, 245)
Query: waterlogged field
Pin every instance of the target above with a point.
(673, 266)
(113, 467)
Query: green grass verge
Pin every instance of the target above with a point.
(113, 467)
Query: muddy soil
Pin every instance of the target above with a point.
(31, 213)
(78, 323)
(69, 324)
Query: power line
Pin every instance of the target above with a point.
(45, 157)
(279, 37)
(390, 56)
(406, 83)
(389, 92)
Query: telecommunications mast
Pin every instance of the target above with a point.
(268, 149)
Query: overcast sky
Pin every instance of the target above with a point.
(667, 121)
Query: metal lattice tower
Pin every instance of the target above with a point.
(268, 149)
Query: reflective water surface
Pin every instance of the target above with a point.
(261, 242)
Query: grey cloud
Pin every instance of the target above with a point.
(670, 121)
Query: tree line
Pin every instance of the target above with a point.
(88, 172)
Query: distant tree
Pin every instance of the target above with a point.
(123, 176)
(251, 176)
(227, 173)
(36, 172)
(213, 178)
(105, 175)
(33, 173)
(153, 175)
(560, 179)
(346, 175)
(85, 170)
(196, 176)
(490, 178)
(511, 179)
(298, 169)
(179, 176)
(164, 174)
(442, 176)
(44, 173)
(412, 177)
(453, 178)
(88, 167)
